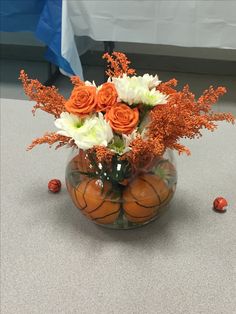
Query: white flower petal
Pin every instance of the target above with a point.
(64, 133)
(88, 83)
(153, 98)
(86, 133)
(131, 89)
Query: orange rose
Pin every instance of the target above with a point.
(82, 100)
(106, 97)
(122, 118)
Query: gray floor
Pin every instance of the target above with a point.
(11, 88)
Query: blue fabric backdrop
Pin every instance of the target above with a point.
(43, 18)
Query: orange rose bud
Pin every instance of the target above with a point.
(122, 118)
(54, 185)
(106, 97)
(82, 101)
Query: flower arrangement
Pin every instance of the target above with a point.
(124, 125)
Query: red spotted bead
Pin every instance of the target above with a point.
(220, 204)
(54, 185)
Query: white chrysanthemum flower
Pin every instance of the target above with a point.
(121, 145)
(86, 132)
(153, 97)
(88, 83)
(150, 81)
(139, 89)
(128, 139)
(128, 88)
(68, 123)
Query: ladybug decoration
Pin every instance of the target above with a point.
(220, 204)
(54, 185)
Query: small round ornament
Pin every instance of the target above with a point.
(220, 204)
(54, 185)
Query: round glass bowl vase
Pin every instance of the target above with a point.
(98, 193)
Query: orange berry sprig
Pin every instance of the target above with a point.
(48, 99)
(184, 117)
(50, 139)
(118, 64)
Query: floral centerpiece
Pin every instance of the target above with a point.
(122, 134)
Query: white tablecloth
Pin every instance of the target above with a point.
(181, 23)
